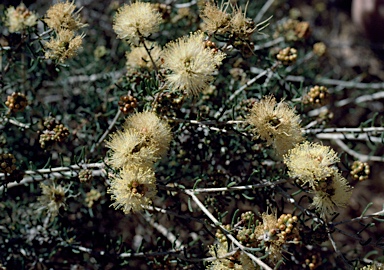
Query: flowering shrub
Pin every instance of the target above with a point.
(184, 135)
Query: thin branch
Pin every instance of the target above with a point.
(87, 78)
(377, 130)
(338, 252)
(263, 10)
(231, 237)
(241, 89)
(172, 213)
(268, 44)
(164, 231)
(377, 214)
(55, 173)
(361, 157)
(105, 134)
(341, 136)
(266, 184)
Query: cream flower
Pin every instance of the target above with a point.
(133, 189)
(64, 46)
(19, 18)
(216, 19)
(311, 162)
(224, 261)
(191, 64)
(241, 26)
(53, 198)
(62, 16)
(332, 192)
(135, 21)
(276, 123)
(130, 147)
(154, 131)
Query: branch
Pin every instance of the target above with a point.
(164, 231)
(266, 184)
(59, 172)
(231, 237)
(361, 157)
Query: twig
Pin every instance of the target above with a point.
(58, 172)
(266, 184)
(164, 231)
(173, 213)
(361, 157)
(377, 130)
(263, 10)
(231, 237)
(341, 136)
(268, 44)
(87, 78)
(338, 252)
(377, 214)
(105, 134)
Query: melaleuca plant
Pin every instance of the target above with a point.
(184, 135)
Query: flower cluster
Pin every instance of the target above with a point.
(19, 18)
(136, 21)
(217, 21)
(53, 131)
(191, 63)
(63, 19)
(224, 261)
(312, 164)
(276, 123)
(53, 198)
(272, 233)
(145, 138)
(16, 102)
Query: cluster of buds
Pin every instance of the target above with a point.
(127, 104)
(293, 30)
(220, 235)
(247, 216)
(312, 263)
(360, 170)
(85, 175)
(169, 102)
(317, 95)
(16, 102)
(287, 56)
(7, 163)
(53, 132)
(286, 224)
(211, 45)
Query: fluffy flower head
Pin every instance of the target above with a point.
(136, 20)
(155, 132)
(133, 189)
(332, 192)
(19, 18)
(130, 147)
(216, 19)
(53, 197)
(62, 16)
(64, 46)
(224, 261)
(276, 123)
(311, 162)
(190, 63)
